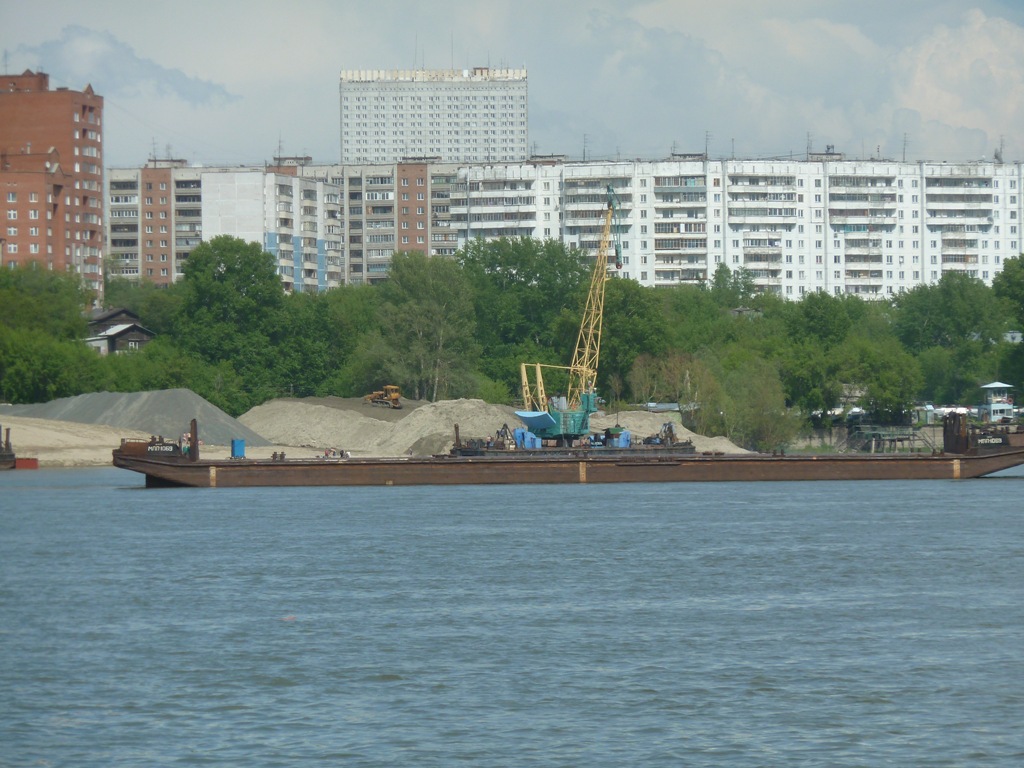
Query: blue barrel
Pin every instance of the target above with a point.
(237, 449)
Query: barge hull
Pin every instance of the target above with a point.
(245, 473)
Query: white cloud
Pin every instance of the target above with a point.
(225, 81)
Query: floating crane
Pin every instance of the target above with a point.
(568, 417)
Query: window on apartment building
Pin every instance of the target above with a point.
(12, 231)
(12, 197)
(12, 214)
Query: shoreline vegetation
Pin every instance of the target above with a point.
(755, 367)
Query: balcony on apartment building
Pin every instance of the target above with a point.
(877, 218)
(665, 277)
(863, 276)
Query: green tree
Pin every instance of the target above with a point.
(633, 324)
(430, 324)
(231, 312)
(520, 287)
(1008, 286)
(957, 310)
(54, 303)
(732, 289)
(36, 367)
(155, 305)
(888, 376)
(758, 417)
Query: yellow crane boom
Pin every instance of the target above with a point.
(571, 417)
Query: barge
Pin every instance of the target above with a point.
(965, 454)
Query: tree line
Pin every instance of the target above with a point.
(738, 362)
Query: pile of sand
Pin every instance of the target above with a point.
(164, 412)
(422, 429)
(365, 430)
(82, 431)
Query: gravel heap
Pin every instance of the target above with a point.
(421, 429)
(164, 412)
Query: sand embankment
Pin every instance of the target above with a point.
(77, 433)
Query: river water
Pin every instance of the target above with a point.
(832, 623)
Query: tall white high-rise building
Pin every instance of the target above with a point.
(477, 115)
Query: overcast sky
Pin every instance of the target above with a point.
(234, 81)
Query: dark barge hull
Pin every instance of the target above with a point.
(583, 469)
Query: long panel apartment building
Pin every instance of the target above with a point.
(871, 228)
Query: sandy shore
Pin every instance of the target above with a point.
(301, 428)
(72, 444)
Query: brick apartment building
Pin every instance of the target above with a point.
(51, 176)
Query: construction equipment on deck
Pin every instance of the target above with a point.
(568, 417)
(389, 397)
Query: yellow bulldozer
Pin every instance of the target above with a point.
(389, 397)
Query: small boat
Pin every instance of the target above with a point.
(8, 459)
(966, 454)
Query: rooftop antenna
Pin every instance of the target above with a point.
(584, 147)
(809, 145)
(904, 147)
(707, 142)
